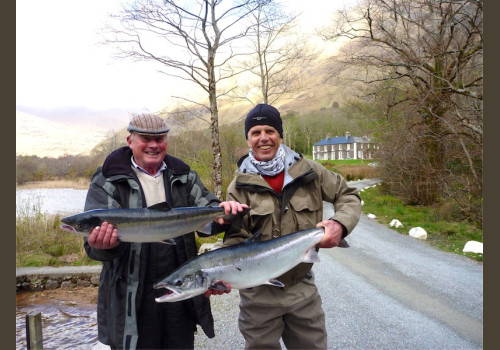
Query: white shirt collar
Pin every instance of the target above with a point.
(158, 173)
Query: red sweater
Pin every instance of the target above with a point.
(276, 181)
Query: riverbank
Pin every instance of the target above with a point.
(78, 296)
(78, 184)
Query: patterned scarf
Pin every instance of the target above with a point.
(271, 167)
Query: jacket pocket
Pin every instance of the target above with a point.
(262, 216)
(306, 207)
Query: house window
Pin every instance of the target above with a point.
(340, 147)
(348, 147)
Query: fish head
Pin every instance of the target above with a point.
(80, 223)
(183, 287)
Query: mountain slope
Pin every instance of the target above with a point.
(42, 137)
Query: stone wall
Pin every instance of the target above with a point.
(46, 278)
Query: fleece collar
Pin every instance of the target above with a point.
(119, 163)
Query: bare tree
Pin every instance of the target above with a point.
(427, 57)
(192, 41)
(278, 57)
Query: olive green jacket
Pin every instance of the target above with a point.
(298, 207)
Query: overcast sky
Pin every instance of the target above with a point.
(59, 64)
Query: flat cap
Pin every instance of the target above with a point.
(148, 124)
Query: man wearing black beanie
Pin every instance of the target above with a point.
(285, 193)
(264, 114)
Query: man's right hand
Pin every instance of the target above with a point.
(103, 237)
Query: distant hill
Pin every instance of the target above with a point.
(78, 130)
(317, 94)
(42, 137)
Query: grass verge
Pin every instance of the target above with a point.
(443, 232)
(41, 242)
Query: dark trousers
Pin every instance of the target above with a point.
(164, 325)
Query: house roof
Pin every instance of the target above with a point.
(335, 140)
(342, 140)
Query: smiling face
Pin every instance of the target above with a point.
(264, 140)
(149, 151)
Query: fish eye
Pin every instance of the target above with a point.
(178, 283)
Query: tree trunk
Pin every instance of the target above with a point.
(214, 127)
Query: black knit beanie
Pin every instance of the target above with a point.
(264, 114)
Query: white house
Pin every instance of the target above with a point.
(345, 147)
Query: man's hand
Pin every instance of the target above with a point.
(230, 208)
(223, 289)
(333, 233)
(103, 237)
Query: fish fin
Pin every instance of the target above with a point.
(275, 283)
(169, 241)
(205, 229)
(219, 286)
(256, 237)
(311, 256)
(343, 244)
(164, 206)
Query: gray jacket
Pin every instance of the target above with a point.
(115, 185)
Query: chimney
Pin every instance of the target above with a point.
(328, 136)
(347, 134)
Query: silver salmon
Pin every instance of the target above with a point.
(159, 223)
(245, 265)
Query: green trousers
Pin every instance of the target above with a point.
(302, 325)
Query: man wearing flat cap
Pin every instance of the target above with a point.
(142, 174)
(285, 193)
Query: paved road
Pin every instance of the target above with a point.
(387, 291)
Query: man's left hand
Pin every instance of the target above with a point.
(225, 290)
(230, 208)
(333, 233)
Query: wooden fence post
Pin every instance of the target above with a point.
(34, 336)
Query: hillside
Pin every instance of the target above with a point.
(317, 94)
(38, 136)
(56, 133)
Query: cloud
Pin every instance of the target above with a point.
(59, 61)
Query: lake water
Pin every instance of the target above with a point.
(63, 201)
(65, 325)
